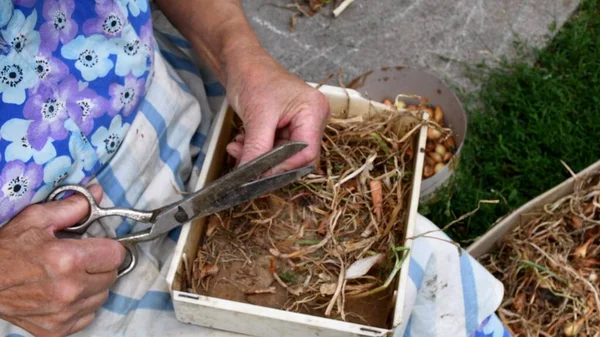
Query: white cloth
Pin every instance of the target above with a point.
(450, 292)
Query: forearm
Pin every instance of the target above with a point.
(218, 31)
(274, 105)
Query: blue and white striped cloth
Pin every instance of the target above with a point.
(450, 295)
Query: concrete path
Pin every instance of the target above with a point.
(437, 35)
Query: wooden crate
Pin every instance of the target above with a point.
(268, 322)
(489, 240)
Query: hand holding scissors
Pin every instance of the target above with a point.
(228, 191)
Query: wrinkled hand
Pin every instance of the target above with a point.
(50, 286)
(276, 107)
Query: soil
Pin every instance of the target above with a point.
(236, 277)
(244, 267)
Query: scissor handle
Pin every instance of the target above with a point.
(131, 260)
(97, 212)
(82, 226)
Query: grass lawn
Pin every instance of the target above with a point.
(533, 116)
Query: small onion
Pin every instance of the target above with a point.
(438, 115)
(593, 277)
(411, 107)
(430, 146)
(438, 167)
(430, 161)
(440, 149)
(400, 105)
(436, 157)
(387, 102)
(327, 289)
(427, 171)
(450, 144)
(447, 157)
(571, 329)
(433, 134)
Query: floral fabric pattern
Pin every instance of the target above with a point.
(72, 74)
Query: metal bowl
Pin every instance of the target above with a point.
(385, 83)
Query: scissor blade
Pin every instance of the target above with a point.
(197, 205)
(249, 171)
(254, 190)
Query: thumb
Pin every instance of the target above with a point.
(260, 135)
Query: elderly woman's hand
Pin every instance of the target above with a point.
(275, 107)
(50, 286)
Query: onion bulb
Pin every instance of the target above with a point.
(570, 329)
(450, 144)
(447, 157)
(430, 146)
(433, 134)
(440, 149)
(438, 115)
(427, 171)
(436, 157)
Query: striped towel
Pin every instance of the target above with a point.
(449, 294)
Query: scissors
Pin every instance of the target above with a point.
(239, 186)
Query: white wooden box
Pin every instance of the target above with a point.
(260, 321)
(492, 238)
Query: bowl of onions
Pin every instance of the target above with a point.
(393, 86)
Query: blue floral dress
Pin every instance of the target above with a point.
(71, 76)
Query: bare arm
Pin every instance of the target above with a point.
(218, 31)
(274, 105)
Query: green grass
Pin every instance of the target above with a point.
(533, 116)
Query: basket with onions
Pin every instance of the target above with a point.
(440, 148)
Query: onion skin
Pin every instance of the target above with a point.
(433, 134)
(438, 115)
(430, 146)
(427, 171)
(447, 157)
(440, 149)
(450, 144)
(436, 157)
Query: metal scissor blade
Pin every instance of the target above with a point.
(200, 204)
(254, 190)
(248, 171)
